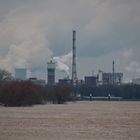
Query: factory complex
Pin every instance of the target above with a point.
(102, 78)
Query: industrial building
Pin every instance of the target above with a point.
(112, 78)
(51, 73)
(102, 78)
(38, 81)
(51, 66)
(65, 81)
(136, 81)
(21, 73)
(90, 81)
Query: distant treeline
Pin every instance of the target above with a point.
(126, 91)
(25, 93)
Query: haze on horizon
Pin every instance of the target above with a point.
(32, 31)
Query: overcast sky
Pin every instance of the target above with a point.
(31, 31)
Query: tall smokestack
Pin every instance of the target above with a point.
(74, 73)
(113, 71)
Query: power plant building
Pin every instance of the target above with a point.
(51, 72)
(112, 78)
(65, 82)
(91, 81)
(37, 81)
(21, 73)
(136, 81)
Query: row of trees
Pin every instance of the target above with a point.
(25, 93)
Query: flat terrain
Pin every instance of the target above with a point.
(84, 120)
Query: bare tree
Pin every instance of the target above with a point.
(5, 75)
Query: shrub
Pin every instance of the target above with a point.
(20, 93)
(59, 94)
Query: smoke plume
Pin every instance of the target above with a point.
(62, 62)
(23, 40)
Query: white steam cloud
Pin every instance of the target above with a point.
(62, 62)
(23, 40)
(132, 65)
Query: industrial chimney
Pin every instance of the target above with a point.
(74, 73)
(113, 72)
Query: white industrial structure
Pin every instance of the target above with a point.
(21, 73)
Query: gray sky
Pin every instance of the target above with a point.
(31, 31)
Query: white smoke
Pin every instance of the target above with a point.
(62, 62)
(132, 65)
(23, 40)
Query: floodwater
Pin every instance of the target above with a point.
(83, 120)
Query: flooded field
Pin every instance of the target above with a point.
(74, 121)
